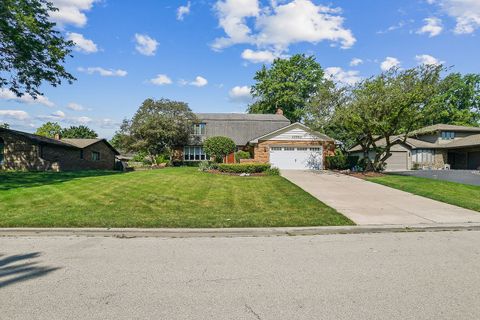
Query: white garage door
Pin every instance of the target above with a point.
(296, 158)
(397, 161)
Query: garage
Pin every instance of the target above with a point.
(474, 160)
(398, 161)
(296, 157)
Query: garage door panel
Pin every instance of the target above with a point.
(474, 160)
(296, 158)
(397, 161)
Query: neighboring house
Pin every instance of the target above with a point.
(25, 151)
(435, 147)
(270, 138)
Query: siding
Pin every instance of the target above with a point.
(295, 134)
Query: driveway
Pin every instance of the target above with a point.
(461, 176)
(368, 203)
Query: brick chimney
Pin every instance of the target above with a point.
(279, 111)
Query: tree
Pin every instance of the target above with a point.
(31, 50)
(49, 130)
(80, 132)
(388, 107)
(157, 127)
(4, 125)
(288, 84)
(457, 102)
(219, 147)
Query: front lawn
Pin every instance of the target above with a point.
(172, 197)
(458, 194)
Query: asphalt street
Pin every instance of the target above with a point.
(432, 275)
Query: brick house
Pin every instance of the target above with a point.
(25, 151)
(270, 138)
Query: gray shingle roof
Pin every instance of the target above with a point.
(470, 141)
(241, 128)
(445, 127)
(81, 143)
(38, 139)
(414, 143)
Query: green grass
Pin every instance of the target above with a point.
(172, 197)
(458, 194)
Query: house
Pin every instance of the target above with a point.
(435, 147)
(26, 151)
(270, 138)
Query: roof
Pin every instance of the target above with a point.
(38, 139)
(240, 127)
(413, 143)
(444, 127)
(319, 135)
(81, 143)
(470, 141)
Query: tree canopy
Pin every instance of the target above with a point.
(31, 50)
(49, 129)
(288, 84)
(219, 147)
(79, 132)
(156, 128)
(4, 125)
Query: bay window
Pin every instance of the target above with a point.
(194, 153)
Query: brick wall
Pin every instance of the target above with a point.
(262, 150)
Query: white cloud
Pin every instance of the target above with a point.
(60, 116)
(337, 74)
(427, 60)
(259, 56)
(160, 80)
(389, 62)
(433, 27)
(82, 44)
(465, 12)
(182, 11)
(75, 106)
(71, 12)
(240, 94)
(356, 62)
(277, 26)
(199, 82)
(145, 44)
(14, 114)
(26, 98)
(103, 72)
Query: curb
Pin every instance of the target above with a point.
(232, 232)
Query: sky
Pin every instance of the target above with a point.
(206, 53)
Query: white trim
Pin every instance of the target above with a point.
(287, 128)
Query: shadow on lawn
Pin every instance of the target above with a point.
(13, 269)
(13, 180)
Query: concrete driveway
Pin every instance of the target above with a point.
(368, 203)
(461, 176)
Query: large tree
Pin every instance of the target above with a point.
(4, 125)
(79, 132)
(49, 130)
(31, 50)
(457, 101)
(157, 127)
(388, 108)
(288, 84)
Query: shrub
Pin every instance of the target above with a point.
(162, 159)
(204, 166)
(240, 154)
(139, 157)
(272, 172)
(219, 147)
(180, 163)
(243, 167)
(352, 161)
(337, 161)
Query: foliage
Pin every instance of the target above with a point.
(4, 125)
(31, 49)
(457, 101)
(162, 158)
(219, 147)
(272, 172)
(387, 107)
(240, 154)
(49, 130)
(78, 132)
(337, 161)
(157, 127)
(243, 167)
(288, 84)
(140, 156)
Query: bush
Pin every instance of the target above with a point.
(352, 161)
(240, 154)
(243, 167)
(204, 166)
(180, 163)
(219, 147)
(162, 159)
(139, 157)
(337, 162)
(272, 172)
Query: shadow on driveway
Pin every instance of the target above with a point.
(19, 268)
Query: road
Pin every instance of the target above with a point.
(432, 275)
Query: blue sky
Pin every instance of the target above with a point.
(206, 52)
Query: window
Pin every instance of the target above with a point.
(276, 148)
(81, 154)
(423, 156)
(302, 149)
(2, 150)
(316, 149)
(192, 153)
(289, 149)
(448, 135)
(95, 156)
(199, 128)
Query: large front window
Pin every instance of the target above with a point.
(2, 150)
(194, 153)
(199, 128)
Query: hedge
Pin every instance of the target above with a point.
(243, 167)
